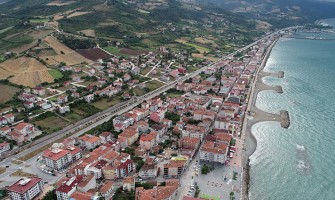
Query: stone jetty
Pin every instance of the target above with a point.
(284, 119)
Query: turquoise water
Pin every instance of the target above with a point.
(297, 163)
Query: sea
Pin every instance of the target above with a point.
(297, 163)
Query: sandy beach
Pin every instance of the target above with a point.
(256, 115)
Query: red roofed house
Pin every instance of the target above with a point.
(24, 128)
(57, 158)
(39, 91)
(68, 187)
(129, 183)
(89, 141)
(26, 188)
(106, 188)
(157, 116)
(147, 141)
(131, 134)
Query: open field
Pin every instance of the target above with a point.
(106, 103)
(93, 54)
(51, 124)
(112, 50)
(73, 117)
(211, 58)
(201, 49)
(88, 32)
(133, 52)
(77, 13)
(39, 20)
(27, 71)
(7, 92)
(59, 3)
(56, 74)
(152, 85)
(65, 54)
(143, 11)
(205, 41)
(6, 29)
(145, 70)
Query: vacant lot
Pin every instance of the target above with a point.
(22, 174)
(94, 54)
(7, 92)
(73, 117)
(201, 49)
(211, 58)
(56, 74)
(51, 124)
(145, 70)
(133, 52)
(152, 85)
(106, 103)
(25, 71)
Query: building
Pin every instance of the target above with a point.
(106, 189)
(167, 192)
(87, 183)
(25, 189)
(128, 183)
(174, 168)
(24, 128)
(57, 158)
(214, 152)
(4, 146)
(131, 134)
(67, 187)
(203, 114)
(149, 170)
(89, 141)
(147, 141)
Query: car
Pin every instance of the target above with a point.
(7, 166)
(190, 191)
(20, 168)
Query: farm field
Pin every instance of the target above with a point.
(52, 124)
(7, 92)
(56, 74)
(77, 13)
(106, 103)
(88, 32)
(27, 72)
(93, 54)
(211, 58)
(64, 54)
(201, 49)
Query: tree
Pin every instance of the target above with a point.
(51, 195)
(174, 117)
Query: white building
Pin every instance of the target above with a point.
(214, 152)
(4, 146)
(57, 158)
(67, 188)
(25, 189)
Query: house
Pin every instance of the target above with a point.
(131, 134)
(124, 166)
(63, 109)
(203, 114)
(142, 127)
(24, 128)
(4, 146)
(27, 97)
(105, 137)
(4, 131)
(10, 118)
(96, 168)
(149, 170)
(182, 70)
(81, 196)
(40, 91)
(174, 168)
(15, 135)
(3, 121)
(174, 73)
(194, 131)
(157, 116)
(128, 183)
(123, 120)
(147, 141)
(62, 99)
(87, 183)
(44, 105)
(67, 186)
(89, 141)
(106, 189)
(75, 152)
(25, 188)
(126, 77)
(88, 98)
(57, 158)
(28, 104)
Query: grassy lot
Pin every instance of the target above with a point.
(145, 70)
(6, 29)
(191, 68)
(152, 85)
(201, 49)
(73, 117)
(106, 103)
(138, 91)
(2, 58)
(56, 74)
(2, 170)
(39, 20)
(7, 92)
(51, 124)
(112, 50)
(174, 94)
(22, 174)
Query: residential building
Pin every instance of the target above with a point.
(214, 152)
(57, 158)
(4, 146)
(174, 168)
(147, 141)
(25, 189)
(67, 187)
(24, 128)
(167, 192)
(131, 134)
(89, 141)
(87, 183)
(128, 183)
(149, 170)
(106, 189)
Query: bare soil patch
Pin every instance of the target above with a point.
(93, 54)
(7, 92)
(78, 13)
(59, 3)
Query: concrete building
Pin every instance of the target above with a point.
(57, 158)
(25, 189)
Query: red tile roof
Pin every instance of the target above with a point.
(67, 186)
(23, 185)
(55, 154)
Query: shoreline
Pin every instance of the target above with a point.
(250, 141)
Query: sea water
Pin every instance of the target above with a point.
(298, 162)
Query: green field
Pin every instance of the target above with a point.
(207, 196)
(106, 103)
(143, 11)
(145, 70)
(2, 58)
(39, 20)
(73, 117)
(6, 29)
(56, 74)
(112, 50)
(152, 85)
(15, 41)
(51, 124)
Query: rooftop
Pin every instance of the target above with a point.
(23, 185)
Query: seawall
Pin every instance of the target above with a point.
(279, 89)
(284, 119)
